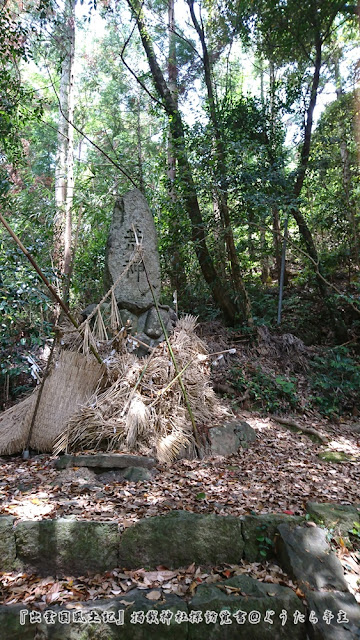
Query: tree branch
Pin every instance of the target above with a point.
(115, 164)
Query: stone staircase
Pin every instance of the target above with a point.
(240, 607)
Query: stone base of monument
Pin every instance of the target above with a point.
(146, 327)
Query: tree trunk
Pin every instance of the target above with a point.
(221, 173)
(60, 169)
(70, 160)
(304, 161)
(139, 145)
(350, 208)
(64, 170)
(277, 242)
(176, 262)
(346, 172)
(189, 195)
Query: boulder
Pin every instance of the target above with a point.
(152, 325)
(226, 440)
(132, 216)
(265, 527)
(7, 544)
(137, 474)
(180, 538)
(340, 517)
(129, 320)
(104, 461)
(124, 624)
(320, 604)
(251, 601)
(140, 343)
(67, 546)
(305, 554)
(82, 476)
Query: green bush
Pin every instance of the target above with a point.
(270, 393)
(335, 382)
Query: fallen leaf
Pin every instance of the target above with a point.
(153, 595)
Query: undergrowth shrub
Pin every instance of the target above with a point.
(333, 387)
(269, 393)
(335, 381)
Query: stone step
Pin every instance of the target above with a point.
(104, 461)
(305, 553)
(266, 611)
(69, 546)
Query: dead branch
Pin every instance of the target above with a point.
(292, 423)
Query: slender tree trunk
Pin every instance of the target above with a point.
(70, 159)
(176, 263)
(277, 243)
(346, 173)
(139, 144)
(350, 208)
(60, 169)
(189, 195)
(265, 269)
(303, 165)
(221, 171)
(64, 171)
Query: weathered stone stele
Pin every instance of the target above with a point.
(131, 212)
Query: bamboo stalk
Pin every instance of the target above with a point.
(161, 393)
(195, 430)
(25, 454)
(46, 281)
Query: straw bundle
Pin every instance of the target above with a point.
(70, 384)
(15, 425)
(144, 409)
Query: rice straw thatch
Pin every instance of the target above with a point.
(69, 385)
(144, 409)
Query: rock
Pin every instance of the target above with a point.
(129, 320)
(226, 440)
(10, 626)
(105, 312)
(180, 538)
(104, 461)
(249, 595)
(82, 476)
(340, 517)
(123, 609)
(141, 348)
(305, 554)
(329, 455)
(153, 327)
(88, 310)
(133, 292)
(137, 474)
(333, 602)
(66, 546)
(7, 544)
(116, 475)
(263, 526)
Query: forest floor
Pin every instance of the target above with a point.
(278, 474)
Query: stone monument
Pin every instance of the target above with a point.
(133, 294)
(132, 215)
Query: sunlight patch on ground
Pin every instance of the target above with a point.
(345, 445)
